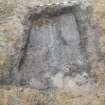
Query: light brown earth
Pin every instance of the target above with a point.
(18, 96)
(26, 96)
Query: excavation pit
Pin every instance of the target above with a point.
(54, 55)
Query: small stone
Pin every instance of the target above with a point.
(58, 80)
(69, 83)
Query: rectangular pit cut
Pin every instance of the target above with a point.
(55, 52)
